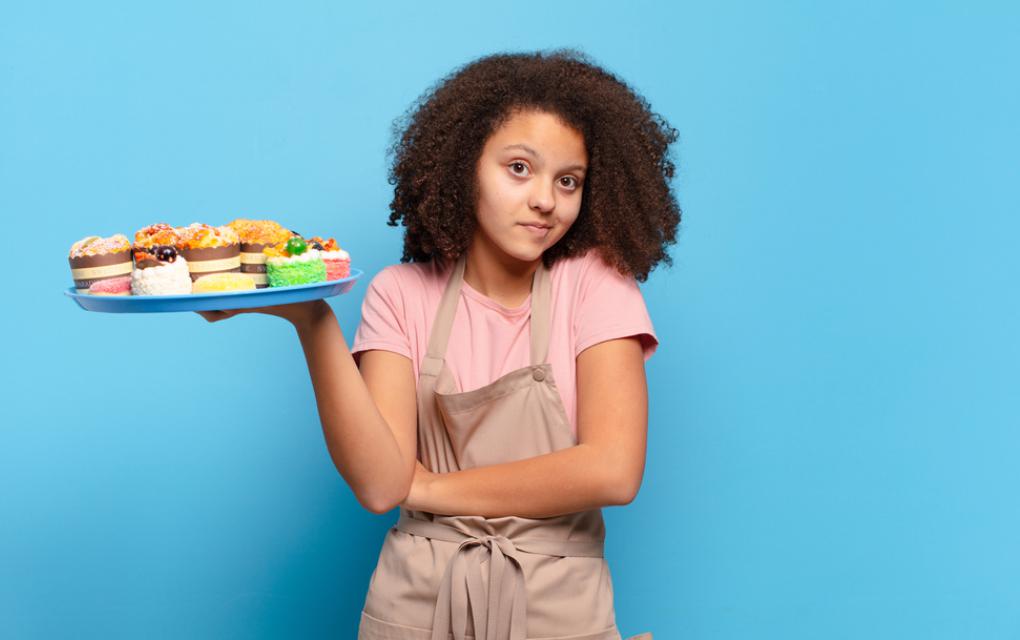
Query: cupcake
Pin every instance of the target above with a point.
(256, 235)
(156, 235)
(292, 262)
(94, 259)
(224, 281)
(337, 261)
(160, 271)
(209, 249)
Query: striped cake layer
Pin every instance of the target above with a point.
(88, 270)
(253, 262)
(202, 262)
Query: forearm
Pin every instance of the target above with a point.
(360, 443)
(566, 481)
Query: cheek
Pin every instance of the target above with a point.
(488, 188)
(572, 210)
(567, 220)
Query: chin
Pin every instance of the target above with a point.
(521, 254)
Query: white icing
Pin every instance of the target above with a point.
(339, 254)
(164, 280)
(308, 256)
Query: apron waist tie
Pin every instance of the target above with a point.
(499, 612)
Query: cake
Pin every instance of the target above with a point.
(160, 271)
(292, 263)
(223, 281)
(209, 249)
(155, 235)
(118, 286)
(255, 236)
(337, 261)
(94, 259)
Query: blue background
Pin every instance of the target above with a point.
(834, 408)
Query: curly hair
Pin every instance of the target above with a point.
(628, 210)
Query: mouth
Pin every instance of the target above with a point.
(537, 230)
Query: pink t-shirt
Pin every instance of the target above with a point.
(591, 303)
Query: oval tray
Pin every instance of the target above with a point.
(214, 301)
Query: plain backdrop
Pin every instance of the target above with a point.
(834, 405)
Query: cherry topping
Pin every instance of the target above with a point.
(165, 253)
(296, 246)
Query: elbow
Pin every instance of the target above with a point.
(376, 506)
(379, 508)
(623, 490)
(384, 501)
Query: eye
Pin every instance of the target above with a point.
(569, 182)
(518, 168)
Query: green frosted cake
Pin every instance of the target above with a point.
(291, 263)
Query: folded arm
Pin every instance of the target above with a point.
(603, 469)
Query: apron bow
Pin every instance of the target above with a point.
(499, 609)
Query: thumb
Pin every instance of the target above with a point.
(216, 316)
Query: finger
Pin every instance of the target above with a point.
(214, 316)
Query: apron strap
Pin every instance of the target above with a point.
(541, 301)
(542, 546)
(440, 335)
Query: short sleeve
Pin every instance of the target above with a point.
(383, 321)
(610, 306)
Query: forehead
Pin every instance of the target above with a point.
(544, 132)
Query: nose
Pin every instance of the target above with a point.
(543, 197)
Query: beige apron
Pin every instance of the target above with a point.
(505, 578)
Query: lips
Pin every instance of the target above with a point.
(537, 230)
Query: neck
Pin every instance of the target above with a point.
(497, 275)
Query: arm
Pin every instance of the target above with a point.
(368, 417)
(604, 468)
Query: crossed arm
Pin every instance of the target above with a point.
(605, 467)
(369, 420)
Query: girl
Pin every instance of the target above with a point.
(495, 390)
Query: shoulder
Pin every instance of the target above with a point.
(602, 303)
(578, 273)
(592, 259)
(394, 307)
(406, 279)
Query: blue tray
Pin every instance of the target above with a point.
(214, 301)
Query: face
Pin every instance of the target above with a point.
(530, 179)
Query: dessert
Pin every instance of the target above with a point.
(209, 249)
(94, 259)
(256, 235)
(160, 271)
(154, 235)
(242, 255)
(337, 261)
(224, 281)
(119, 286)
(292, 262)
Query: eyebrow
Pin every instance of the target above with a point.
(527, 149)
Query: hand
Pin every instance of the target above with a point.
(297, 314)
(418, 497)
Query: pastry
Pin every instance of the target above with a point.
(94, 259)
(209, 249)
(337, 261)
(256, 235)
(119, 286)
(223, 281)
(154, 235)
(160, 271)
(292, 263)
